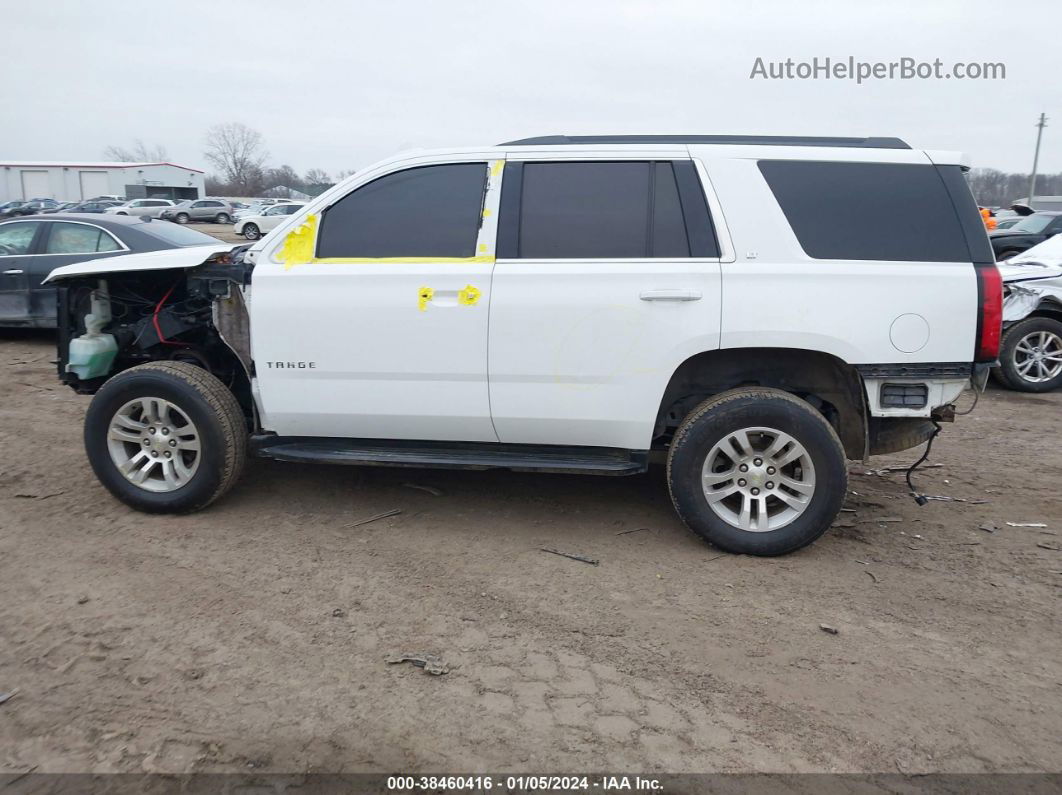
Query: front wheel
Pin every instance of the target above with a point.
(222, 218)
(251, 231)
(182, 218)
(757, 471)
(1030, 355)
(166, 437)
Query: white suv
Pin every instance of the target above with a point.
(756, 310)
(143, 207)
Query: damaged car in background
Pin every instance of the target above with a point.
(1030, 352)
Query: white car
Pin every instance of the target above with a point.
(142, 207)
(267, 219)
(756, 310)
(1030, 353)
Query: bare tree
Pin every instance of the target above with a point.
(317, 176)
(237, 152)
(139, 152)
(342, 175)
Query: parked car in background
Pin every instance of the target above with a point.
(92, 206)
(141, 207)
(209, 210)
(8, 209)
(36, 206)
(259, 207)
(61, 207)
(1008, 222)
(1030, 352)
(253, 226)
(110, 197)
(1028, 232)
(30, 248)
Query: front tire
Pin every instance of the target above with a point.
(182, 218)
(1030, 355)
(222, 218)
(757, 471)
(166, 437)
(251, 231)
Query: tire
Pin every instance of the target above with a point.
(251, 231)
(1036, 342)
(182, 218)
(118, 424)
(768, 416)
(222, 218)
(1010, 252)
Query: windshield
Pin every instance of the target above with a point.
(1034, 224)
(176, 234)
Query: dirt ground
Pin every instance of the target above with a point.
(256, 633)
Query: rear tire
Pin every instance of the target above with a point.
(166, 437)
(794, 481)
(1030, 355)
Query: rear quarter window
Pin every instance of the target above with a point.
(868, 211)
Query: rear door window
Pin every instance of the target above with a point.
(868, 211)
(78, 239)
(430, 211)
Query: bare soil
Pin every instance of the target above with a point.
(257, 632)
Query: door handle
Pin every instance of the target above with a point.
(13, 272)
(670, 295)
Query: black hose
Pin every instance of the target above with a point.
(920, 498)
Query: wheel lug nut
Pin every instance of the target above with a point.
(742, 482)
(769, 484)
(770, 470)
(755, 492)
(168, 454)
(744, 467)
(147, 442)
(154, 454)
(151, 430)
(758, 461)
(173, 442)
(165, 431)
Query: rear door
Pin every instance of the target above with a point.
(64, 243)
(607, 279)
(17, 244)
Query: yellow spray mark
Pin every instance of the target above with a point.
(299, 245)
(486, 213)
(424, 294)
(482, 247)
(497, 167)
(468, 296)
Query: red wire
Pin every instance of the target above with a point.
(155, 319)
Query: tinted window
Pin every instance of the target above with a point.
(433, 211)
(78, 239)
(600, 210)
(16, 238)
(868, 211)
(176, 235)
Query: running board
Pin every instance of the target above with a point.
(451, 455)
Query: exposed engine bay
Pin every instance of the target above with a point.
(117, 320)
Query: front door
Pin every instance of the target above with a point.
(17, 239)
(370, 315)
(607, 279)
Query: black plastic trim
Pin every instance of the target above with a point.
(765, 140)
(973, 228)
(451, 455)
(916, 370)
(508, 245)
(699, 227)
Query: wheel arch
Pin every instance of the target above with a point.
(829, 384)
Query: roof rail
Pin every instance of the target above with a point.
(763, 140)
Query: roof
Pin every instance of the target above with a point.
(74, 164)
(764, 140)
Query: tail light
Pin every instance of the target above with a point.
(989, 312)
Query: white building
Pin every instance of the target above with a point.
(77, 181)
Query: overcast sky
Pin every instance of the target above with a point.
(337, 85)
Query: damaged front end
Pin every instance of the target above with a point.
(180, 305)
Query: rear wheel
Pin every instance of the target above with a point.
(757, 471)
(251, 231)
(166, 437)
(1030, 355)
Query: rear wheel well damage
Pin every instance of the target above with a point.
(833, 387)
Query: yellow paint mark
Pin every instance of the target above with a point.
(482, 247)
(496, 169)
(398, 260)
(299, 245)
(424, 294)
(468, 296)
(486, 213)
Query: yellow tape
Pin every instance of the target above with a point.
(468, 296)
(496, 169)
(424, 294)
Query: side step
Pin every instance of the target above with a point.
(451, 455)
